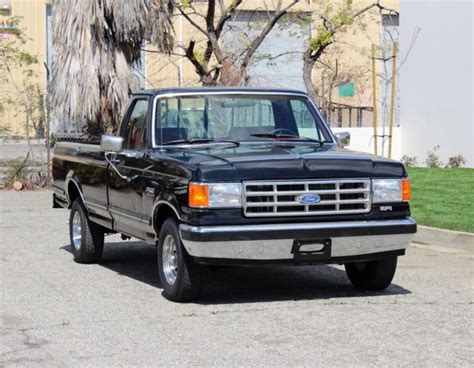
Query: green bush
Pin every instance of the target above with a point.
(432, 160)
(456, 161)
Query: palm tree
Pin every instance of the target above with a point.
(96, 43)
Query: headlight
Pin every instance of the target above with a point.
(391, 190)
(215, 195)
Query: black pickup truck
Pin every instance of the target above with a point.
(234, 176)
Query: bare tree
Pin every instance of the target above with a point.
(17, 70)
(331, 23)
(96, 43)
(214, 64)
(340, 64)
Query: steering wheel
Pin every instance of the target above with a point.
(282, 130)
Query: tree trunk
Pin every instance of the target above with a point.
(207, 80)
(229, 75)
(308, 77)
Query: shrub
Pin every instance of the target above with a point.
(409, 161)
(432, 160)
(17, 171)
(456, 161)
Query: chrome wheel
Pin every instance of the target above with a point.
(76, 230)
(170, 259)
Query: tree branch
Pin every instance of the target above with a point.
(333, 28)
(270, 57)
(211, 11)
(189, 53)
(373, 5)
(193, 23)
(226, 15)
(266, 30)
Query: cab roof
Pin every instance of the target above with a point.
(230, 90)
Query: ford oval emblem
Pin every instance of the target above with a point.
(308, 198)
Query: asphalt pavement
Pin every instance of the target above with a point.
(57, 313)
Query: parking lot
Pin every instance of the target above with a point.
(55, 312)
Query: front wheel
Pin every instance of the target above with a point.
(180, 276)
(87, 238)
(372, 275)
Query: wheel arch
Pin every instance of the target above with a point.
(161, 211)
(73, 190)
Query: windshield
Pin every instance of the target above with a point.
(237, 118)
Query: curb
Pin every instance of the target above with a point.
(446, 238)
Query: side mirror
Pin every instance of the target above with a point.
(344, 138)
(111, 143)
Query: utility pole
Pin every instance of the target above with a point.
(392, 97)
(374, 100)
(180, 61)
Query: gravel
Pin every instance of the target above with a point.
(55, 312)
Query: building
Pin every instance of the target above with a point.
(426, 103)
(280, 59)
(437, 80)
(351, 88)
(35, 20)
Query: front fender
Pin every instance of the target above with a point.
(71, 185)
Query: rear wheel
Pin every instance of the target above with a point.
(87, 238)
(180, 276)
(372, 275)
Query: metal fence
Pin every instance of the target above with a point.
(340, 115)
(25, 161)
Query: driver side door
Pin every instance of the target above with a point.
(125, 178)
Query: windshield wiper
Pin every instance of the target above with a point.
(287, 136)
(200, 140)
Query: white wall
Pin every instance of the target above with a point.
(436, 82)
(361, 140)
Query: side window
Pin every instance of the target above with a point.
(305, 121)
(135, 134)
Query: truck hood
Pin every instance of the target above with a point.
(274, 162)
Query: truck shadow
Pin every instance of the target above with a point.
(227, 285)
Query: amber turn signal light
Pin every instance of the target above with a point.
(406, 190)
(198, 195)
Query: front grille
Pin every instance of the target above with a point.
(283, 198)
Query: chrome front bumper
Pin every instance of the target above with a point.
(277, 241)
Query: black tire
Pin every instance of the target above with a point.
(187, 283)
(91, 244)
(372, 275)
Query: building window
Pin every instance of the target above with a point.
(5, 7)
(7, 23)
(280, 52)
(390, 20)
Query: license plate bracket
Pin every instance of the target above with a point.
(307, 250)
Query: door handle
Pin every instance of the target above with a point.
(150, 191)
(115, 160)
